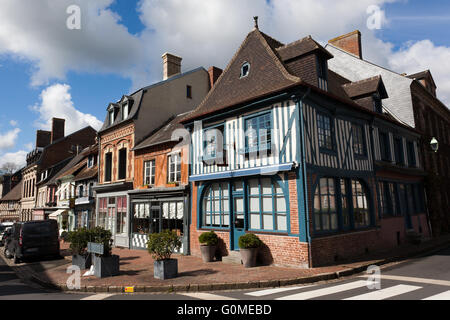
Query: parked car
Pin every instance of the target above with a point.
(33, 239)
(3, 227)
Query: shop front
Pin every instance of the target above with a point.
(158, 209)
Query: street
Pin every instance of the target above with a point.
(426, 278)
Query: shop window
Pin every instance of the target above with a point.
(216, 206)
(360, 205)
(149, 172)
(324, 131)
(102, 212)
(325, 214)
(121, 215)
(174, 168)
(141, 218)
(267, 205)
(258, 135)
(388, 199)
(122, 164)
(172, 216)
(345, 204)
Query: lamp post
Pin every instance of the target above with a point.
(434, 144)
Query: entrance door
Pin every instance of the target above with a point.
(155, 214)
(238, 220)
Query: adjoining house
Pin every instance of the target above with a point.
(10, 204)
(412, 100)
(128, 123)
(284, 148)
(160, 200)
(52, 147)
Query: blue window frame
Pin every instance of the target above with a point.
(324, 131)
(359, 145)
(266, 205)
(216, 206)
(258, 133)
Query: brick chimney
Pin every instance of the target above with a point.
(350, 42)
(43, 138)
(57, 129)
(214, 74)
(171, 65)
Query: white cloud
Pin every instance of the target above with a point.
(18, 158)
(423, 55)
(13, 123)
(56, 101)
(8, 139)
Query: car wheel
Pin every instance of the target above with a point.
(16, 259)
(7, 253)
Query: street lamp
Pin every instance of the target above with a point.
(434, 145)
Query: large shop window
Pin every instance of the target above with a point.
(324, 131)
(340, 204)
(258, 133)
(267, 205)
(121, 216)
(102, 212)
(216, 206)
(174, 172)
(149, 172)
(172, 216)
(152, 217)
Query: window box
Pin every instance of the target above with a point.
(173, 184)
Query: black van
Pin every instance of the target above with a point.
(33, 239)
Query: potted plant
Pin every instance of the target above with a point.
(78, 244)
(208, 244)
(173, 183)
(161, 246)
(105, 264)
(249, 244)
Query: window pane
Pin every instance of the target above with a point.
(280, 204)
(254, 187)
(254, 204)
(267, 204)
(226, 220)
(281, 223)
(239, 204)
(266, 186)
(268, 222)
(255, 221)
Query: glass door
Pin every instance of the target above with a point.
(238, 225)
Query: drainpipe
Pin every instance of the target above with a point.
(304, 176)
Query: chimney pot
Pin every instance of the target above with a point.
(350, 42)
(214, 74)
(171, 65)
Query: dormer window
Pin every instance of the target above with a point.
(377, 104)
(111, 117)
(90, 163)
(125, 111)
(322, 73)
(245, 69)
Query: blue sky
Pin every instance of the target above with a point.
(159, 26)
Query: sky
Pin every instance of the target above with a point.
(49, 70)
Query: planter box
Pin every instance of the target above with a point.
(249, 257)
(165, 269)
(208, 253)
(82, 261)
(106, 266)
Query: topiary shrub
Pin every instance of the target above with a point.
(78, 241)
(64, 236)
(208, 238)
(162, 245)
(248, 241)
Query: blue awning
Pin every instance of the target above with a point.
(266, 170)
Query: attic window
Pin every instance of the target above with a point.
(125, 111)
(111, 117)
(245, 69)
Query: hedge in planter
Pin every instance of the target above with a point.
(78, 244)
(161, 246)
(208, 241)
(249, 244)
(107, 264)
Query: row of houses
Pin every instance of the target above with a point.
(322, 154)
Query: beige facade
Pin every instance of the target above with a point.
(28, 201)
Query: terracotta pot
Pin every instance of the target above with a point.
(208, 253)
(249, 257)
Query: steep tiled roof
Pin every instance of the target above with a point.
(87, 173)
(299, 48)
(364, 87)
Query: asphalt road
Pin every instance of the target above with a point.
(426, 278)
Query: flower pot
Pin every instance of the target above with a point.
(165, 269)
(82, 261)
(249, 257)
(106, 266)
(208, 253)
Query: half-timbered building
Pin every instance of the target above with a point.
(284, 148)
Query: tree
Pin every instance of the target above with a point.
(9, 168)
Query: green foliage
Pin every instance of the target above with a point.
(249, 240)
(64, 225)
(208, 238)
(78, 240)
(64, 236)
(100, 235)
(162, 245)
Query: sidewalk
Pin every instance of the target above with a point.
(136, 270)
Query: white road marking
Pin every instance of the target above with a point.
(441, 296)
(325, 291)
(267, 292)
(100, 296)
(206, 296)
(385, 293)
(413, 279)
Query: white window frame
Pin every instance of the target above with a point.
(149, 165)
(172, 175)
